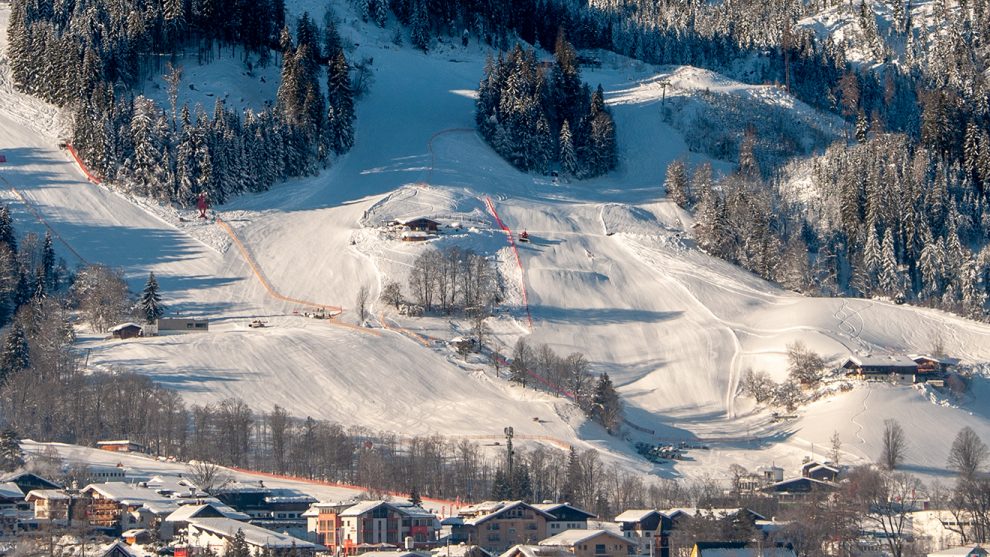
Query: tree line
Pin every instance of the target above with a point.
(176, 155)
(538, 119)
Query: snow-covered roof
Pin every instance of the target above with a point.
(551, 508)
(717, 513)
(119, 441)
(362, 507)
(185, 513)
(960, 551)
(244, 487)
(9, 490)
(133, 496)
(570, 538)
(407, 509)
(254, 535)
(634, 515)
(50, 494)
(487, 510)
(536, 551)
(744, 551)
(121, 327)
(892, 360)
(944, 360)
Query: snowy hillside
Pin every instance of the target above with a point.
(611, 271)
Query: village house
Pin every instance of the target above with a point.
(28, 481)
(970, 550)
(531, 550)
(216, 534)
(739, 549)
(381, 522)
(117, 506)
(55, 506)
(646, 528)
(11, 507)
(798, 489)
(824, 472)
(592, 543)
(323, 523)
(565, 517)
(459, 550)
(175, 524)
(933, 364)
(499, 525)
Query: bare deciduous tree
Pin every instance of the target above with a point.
(804, 366)
(968, 454)
(894, 445)
(361, 303)
(836, 448)
(207, 476)
(102, 295)
(392, 294)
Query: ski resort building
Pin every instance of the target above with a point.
(120, 446)
(172, 325)
(882, 367)
(380, 522)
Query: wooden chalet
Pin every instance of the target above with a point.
(499, 525)
(797, 489)
(820, 471)
(420, 224)
(126, 330)
(647, 529)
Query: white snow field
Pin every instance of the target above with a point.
(611, 271)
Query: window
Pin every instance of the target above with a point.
(493, 537)
(600, 549)
(531, 526)
(494, 526)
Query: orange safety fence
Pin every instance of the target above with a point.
(421, 339)
(82, 166)
(256, 270)
(446, 503)
(515, 250)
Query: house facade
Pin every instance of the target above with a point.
(565, 517)
(647, 529)
(592, 543)
(498, 525)
(381, 522)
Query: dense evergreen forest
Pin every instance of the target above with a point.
(535, 118)
(86, 56)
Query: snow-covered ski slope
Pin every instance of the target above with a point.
(611, 271)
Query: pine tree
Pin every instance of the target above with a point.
(862, 127)
(151, 306)
(48, 263)
(501, 488)
(238, 547)
(7, 235)
(568, 156)
(420, 25)
(890, 282)
(11, 456)
(606, 408)
(340, 115)
(15, 356)
(676, 183)
(414, 497)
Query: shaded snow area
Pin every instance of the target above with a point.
(611, 271)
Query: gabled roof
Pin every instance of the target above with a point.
(185, 513)
(49, 494)
(960, 551)
(717, 513)
(635, 515)
(9, 490)
(123, 326)
(536, 551)
(740, 549)
(553, 508)
(570, 538)
(254, 535)
(15, 476)
(781, 487)
(494, 508)
(119, 549)
(403, 508)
